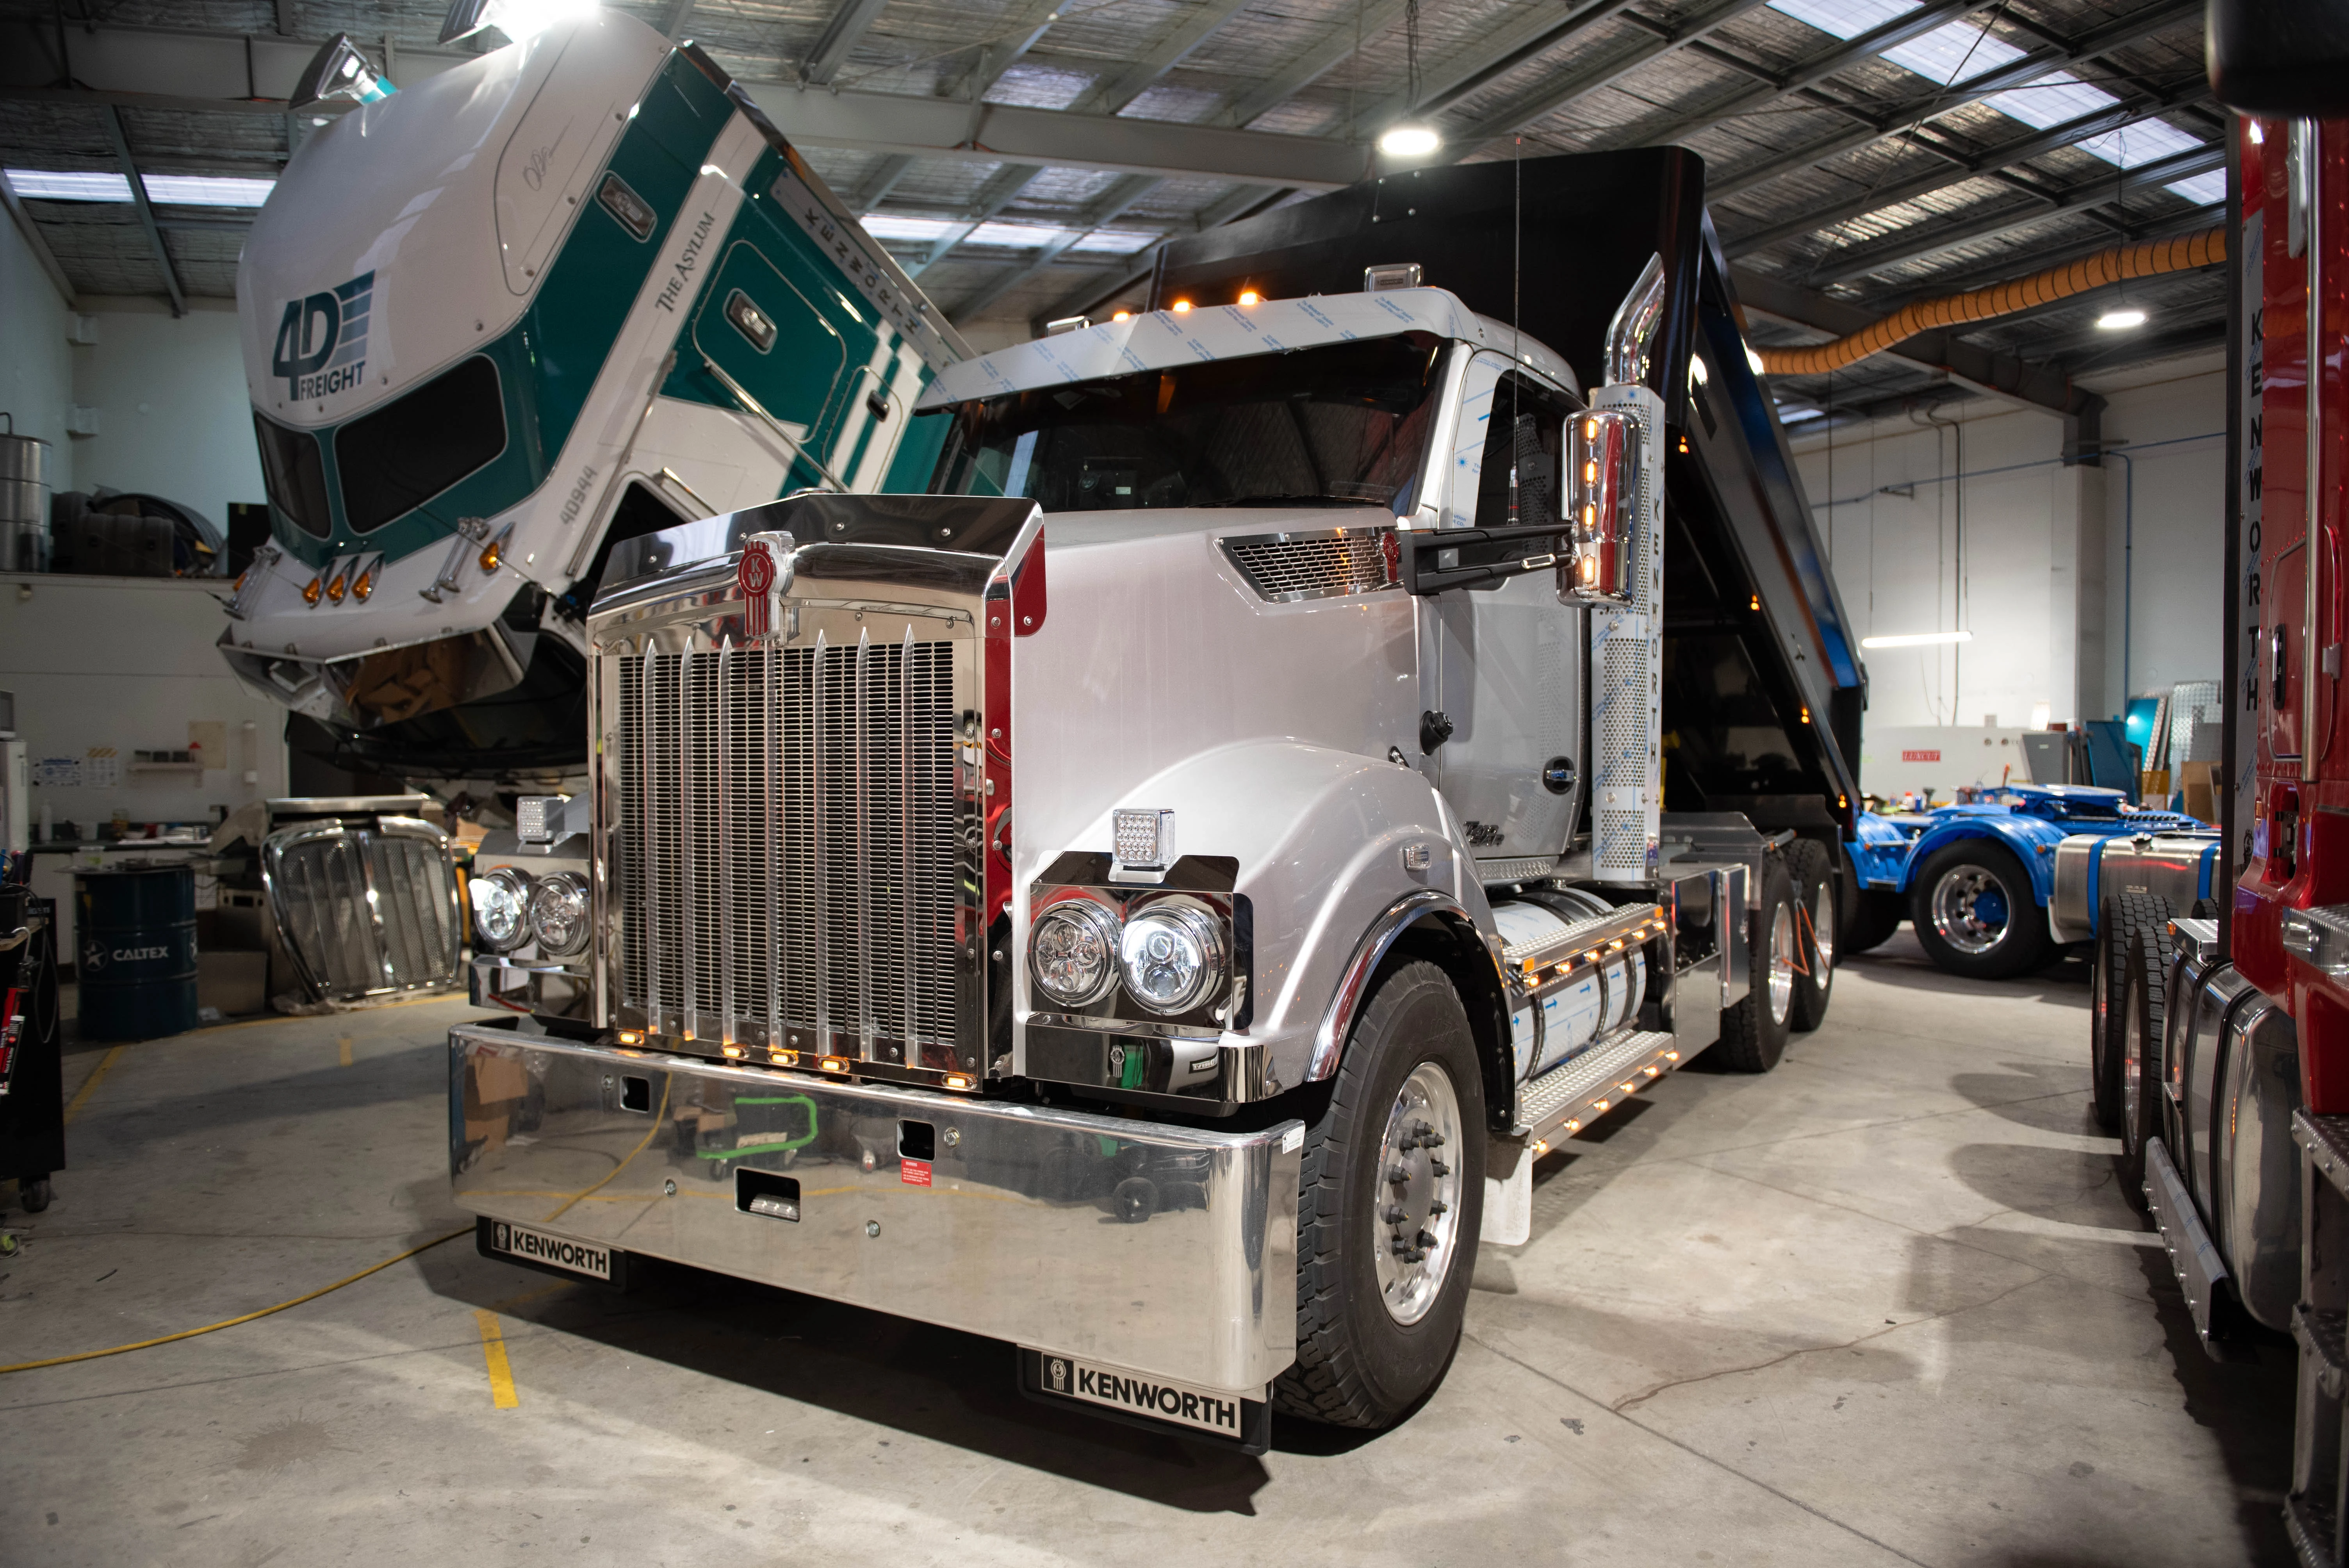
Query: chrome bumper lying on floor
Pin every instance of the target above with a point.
(1156, 1249)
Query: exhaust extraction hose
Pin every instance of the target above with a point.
(2120, 262)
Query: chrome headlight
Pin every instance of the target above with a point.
(500, 901)
(558, 913)
(1172, 955)
(1073, 952)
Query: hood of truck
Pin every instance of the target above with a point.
(412, 231)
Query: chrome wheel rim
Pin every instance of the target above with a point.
(1823, 922)
(1782, 963)
(1970, 910)
(1415, 1205)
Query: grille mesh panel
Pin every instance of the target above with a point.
(786, 855)
(320, 887)
(1313, 567)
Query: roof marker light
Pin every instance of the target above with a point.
(1180, 305)
(1249, 296)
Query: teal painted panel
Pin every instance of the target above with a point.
(916, 459)
(548, 362)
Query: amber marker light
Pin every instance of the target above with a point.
(1249, 296)
(310, 595)
(491, 555)
(835, 1064)
(1122, 316)
(1181, 305)
(631, 1037)
(734, 1052)
(961, 1080)
(364, 588)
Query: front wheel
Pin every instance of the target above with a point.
(1975, 912)
(1389, 1200)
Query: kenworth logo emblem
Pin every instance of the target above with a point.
(321, 339)
(752, 579)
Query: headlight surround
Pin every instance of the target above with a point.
(1171, 954)
(559, 913)
(1073, 952)
(500, 900)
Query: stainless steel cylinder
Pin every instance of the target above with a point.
(24, 503)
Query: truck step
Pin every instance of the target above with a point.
(2324, 1336)
(2311, 1525)
(2326, 1139)
(2193, 1257)
(1587, 1085)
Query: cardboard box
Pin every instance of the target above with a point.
(2200, 782)
(235, 983)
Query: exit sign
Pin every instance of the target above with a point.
(1920, 756)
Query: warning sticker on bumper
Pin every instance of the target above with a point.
(561, 1251)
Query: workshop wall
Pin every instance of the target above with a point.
(2031, 556)
(173, 419)
(104, 667)
(37, 367)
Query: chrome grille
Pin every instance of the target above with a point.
(365, 911)
(1313, 565)
(786, 847)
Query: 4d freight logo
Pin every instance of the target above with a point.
(321, 339)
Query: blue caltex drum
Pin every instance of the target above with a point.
(137, 962)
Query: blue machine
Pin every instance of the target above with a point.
(1975, 880)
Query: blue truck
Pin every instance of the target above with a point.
(1976, 880)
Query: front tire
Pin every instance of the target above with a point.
(1975, 913)
(1390, 1201)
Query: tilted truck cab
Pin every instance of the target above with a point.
(1152, 900)
(571, 291)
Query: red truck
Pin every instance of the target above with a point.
(2220, 1026)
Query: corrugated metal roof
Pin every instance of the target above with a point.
(925, 47)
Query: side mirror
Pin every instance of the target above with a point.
(2282, 57)
(339, 71)
(1604, 482)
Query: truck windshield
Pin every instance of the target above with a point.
(1338, 426)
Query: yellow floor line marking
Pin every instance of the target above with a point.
(494, 1353)
(105, 1064)
(345, 1043)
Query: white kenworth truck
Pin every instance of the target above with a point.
(1154, 900)
(571, 291)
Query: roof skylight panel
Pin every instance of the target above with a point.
(208, 190)
(1960, 51)
(70, 185)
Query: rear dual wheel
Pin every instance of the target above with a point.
(1753, 1033)
(1817, 921)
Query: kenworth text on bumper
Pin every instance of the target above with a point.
(1153, 899)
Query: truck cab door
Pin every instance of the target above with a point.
(765, 333)
(1508, 658)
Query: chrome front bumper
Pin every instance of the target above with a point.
(1156, 1248)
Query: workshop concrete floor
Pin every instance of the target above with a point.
(1885, 1305)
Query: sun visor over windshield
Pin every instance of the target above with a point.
(1551, 244)
(972, 525)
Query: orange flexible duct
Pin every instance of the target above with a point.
(2002, 299)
